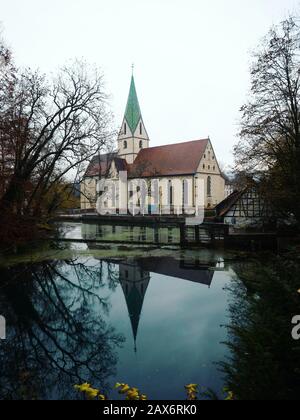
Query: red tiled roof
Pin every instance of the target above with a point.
(100, 165)
(174, 159)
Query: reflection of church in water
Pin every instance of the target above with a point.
(135, 276)
(134, 281)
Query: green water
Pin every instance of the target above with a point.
(152, 317)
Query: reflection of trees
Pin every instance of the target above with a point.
(264, 361)
(56, 334)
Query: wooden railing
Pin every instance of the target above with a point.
(207, 233)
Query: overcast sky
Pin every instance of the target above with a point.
(191, 56)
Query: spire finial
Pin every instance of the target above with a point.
(132, 68)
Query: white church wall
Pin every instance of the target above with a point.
(217, 189)
(209, 167)
(88, 187)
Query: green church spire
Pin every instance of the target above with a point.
(133, 111)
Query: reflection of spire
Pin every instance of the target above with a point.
(134, 283)
(134, 277)
(134, 302)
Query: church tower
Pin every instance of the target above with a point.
(133, 136)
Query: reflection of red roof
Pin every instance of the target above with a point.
(174, 159)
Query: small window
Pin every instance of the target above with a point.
(213, 158)
(184, 193)
(125, 129)
(141, 129)
(171, 193)
(214, 168)
(203, 166)
(141, 144)
(209, 189)
(204, 156)
(209, 167)
(125, 144)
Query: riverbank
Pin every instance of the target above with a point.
(129, 230)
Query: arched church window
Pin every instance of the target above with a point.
(125, 144)
(171, 193)
(209, 189)
(141, 144)
(184, 194)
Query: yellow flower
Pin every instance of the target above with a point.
(191, 387)
(124, 389)
(102, 397)
(133, 394)
(230, 396)
(91, 393)
(143, 397)
(192, 391)
(86, 389)
(82, 388)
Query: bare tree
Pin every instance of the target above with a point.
(49, 129)
(58, 333)
(7, 79)
(270, 137)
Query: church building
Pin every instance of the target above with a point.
(172, 165)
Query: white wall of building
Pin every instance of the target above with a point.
(209, 168)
